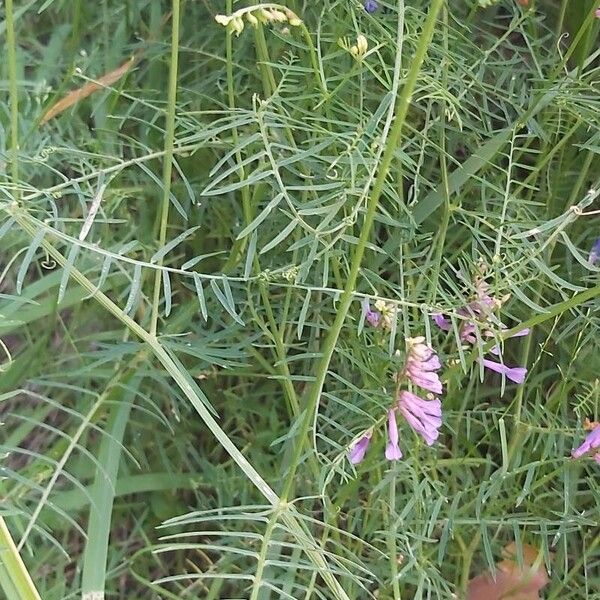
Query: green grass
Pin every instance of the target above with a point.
(180, 386)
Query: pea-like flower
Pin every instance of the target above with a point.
(594, 256)
(381, 316)
(479, 313)
(424, 416)
(392, 450)
(421, 365)
(359, 448)
(591, 444)
(371, 6)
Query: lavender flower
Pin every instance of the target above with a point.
(590, 444)
(421, 365)
(371, 6)
(479, 312)
(359, 448)
(516, 374)
(373, 317)
(595, 251)
(424, 416)
(381, 316)
(392, 450)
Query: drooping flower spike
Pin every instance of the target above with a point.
(590, 444)
(480, 313)
(423, 416)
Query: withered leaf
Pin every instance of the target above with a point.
(512, 582)
(86, 90)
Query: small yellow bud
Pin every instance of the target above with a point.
(293, 18)
(278, 16)
(223, 20)
(252, 19)
(362, 44)
(237, 25)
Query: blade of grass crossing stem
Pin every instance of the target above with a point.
(93, 581)
(195, 396)
(14, 577)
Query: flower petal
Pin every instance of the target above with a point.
(591, 442)
(440, 320)
(516, 374)
(424, 416)
(392, 450)
(359, 449)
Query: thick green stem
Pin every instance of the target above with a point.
(14, 566)
(168, 158)
(402, 105)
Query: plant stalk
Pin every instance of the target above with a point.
(402, 106)
(168, 158)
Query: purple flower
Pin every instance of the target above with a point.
(371, 6)
(595, 251)
(359, 449)
(392, 450)
(516, 374)
(421, 365)
(424, 416)
(590, 444)
(372, 317)
(479, 313)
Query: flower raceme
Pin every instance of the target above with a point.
(480, 313)
(424, 416)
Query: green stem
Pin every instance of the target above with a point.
(168, 158)
(11, 561)
(13, 95)
(402, 106)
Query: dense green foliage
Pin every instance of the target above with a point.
(180, 384)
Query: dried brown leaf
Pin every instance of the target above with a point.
(512, 582)
(86, 90)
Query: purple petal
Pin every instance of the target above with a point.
(521, 333)
(591, 442)
(595, 251)
(424, 416)
(359, 449)
(516, 374)
(440, 320)
(372, 317)
(427, 380)
(392, 450)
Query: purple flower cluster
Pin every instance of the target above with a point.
(480, 313)
(423, 416)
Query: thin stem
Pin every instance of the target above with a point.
(391, 540)
(168, 158)
(11, 561)
(402, 105)
(13, 95)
